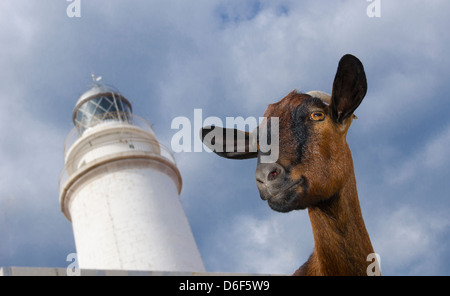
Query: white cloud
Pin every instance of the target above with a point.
(437, 154)
(430, 158)
(31, 224)
(407, 207)
(21, 30)
(275, 244)
(407, 240)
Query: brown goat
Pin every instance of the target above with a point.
(314, 169)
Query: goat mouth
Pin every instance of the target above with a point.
(283, 200)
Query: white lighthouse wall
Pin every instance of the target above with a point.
(127, 215)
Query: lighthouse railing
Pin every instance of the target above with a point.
(163, 152)
(131, 119)
(144, 145)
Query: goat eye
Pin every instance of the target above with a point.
(317, 116)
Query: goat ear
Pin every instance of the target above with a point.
(349, 88)
(229, 143)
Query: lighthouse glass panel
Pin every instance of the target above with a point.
(103, 108)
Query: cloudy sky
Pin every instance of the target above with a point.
(232, 58)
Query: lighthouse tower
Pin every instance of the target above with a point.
(120, 189)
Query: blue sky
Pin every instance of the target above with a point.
(232, 58)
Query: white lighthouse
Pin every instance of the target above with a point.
(121, 190)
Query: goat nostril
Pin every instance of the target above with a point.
(268, 173)
(273, 175)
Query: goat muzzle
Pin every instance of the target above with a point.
(270, 178)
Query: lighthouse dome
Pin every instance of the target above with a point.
(99, 104)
